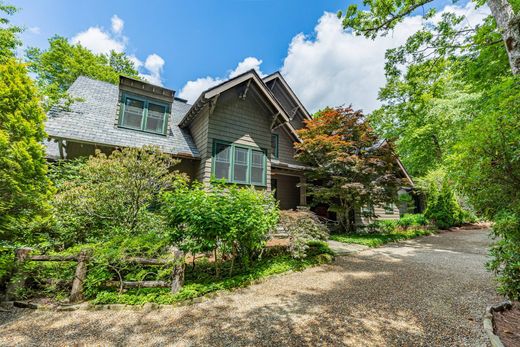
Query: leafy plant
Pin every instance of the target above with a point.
(303, 227)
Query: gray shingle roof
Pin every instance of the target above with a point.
(94, 120)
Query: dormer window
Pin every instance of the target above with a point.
(140, 113)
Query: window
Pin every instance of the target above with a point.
(274, 145)
(239, 164)
(142, 114)
(389, 209)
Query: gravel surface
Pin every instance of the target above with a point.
(430, 291)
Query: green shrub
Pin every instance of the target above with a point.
(226, 219)
(386, 226)
(506, 254)
(302, 227)
(409, 220)
(442, 208)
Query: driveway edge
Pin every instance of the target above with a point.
(488, 322)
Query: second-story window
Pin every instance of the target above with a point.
(142, 114)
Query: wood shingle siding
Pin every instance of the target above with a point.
(285, 147)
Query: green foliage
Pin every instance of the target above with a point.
(200, 285)
(24, 187)
(224, 218)
(9, 40)
(352, 167)
(107, 194)
(62, 63)
(303, 227)
(442, 208)
(506, 254)
(412, 220)
(378, 239)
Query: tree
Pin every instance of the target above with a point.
(114, 193)
(352, 167)
(62, 63)
(382, 16)
(24, 187)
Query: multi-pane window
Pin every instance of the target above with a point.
(274, 145)
(239, 164)
(389, 209)
(222, 162)
(145, 115)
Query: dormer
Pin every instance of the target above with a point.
(144, 106)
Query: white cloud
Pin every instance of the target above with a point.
(192, 89)
(34, 30)
(117, 24)
(99, 41)
(154, 64)
(335, 67)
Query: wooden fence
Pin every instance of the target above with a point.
(23, 255)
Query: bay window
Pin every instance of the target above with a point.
(239, 164)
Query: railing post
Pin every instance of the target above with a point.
(18, 278)
(76, 293)
(178, 270)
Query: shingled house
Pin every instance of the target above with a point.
(242, 130)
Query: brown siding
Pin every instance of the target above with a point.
(199, 132)
(245, 122)
(285, 147)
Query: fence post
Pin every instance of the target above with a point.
(18, 278)
(76, 293)
(178, 269)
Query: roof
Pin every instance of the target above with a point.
(278, 76)
(94, 120)
(250, 75)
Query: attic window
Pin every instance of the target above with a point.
(139, 113)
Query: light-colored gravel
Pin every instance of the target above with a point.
(430, 291)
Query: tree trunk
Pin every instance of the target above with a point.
(76, 294)
(509, 25)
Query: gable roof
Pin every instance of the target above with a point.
(249, 76)
(94, 120)
(278, 77)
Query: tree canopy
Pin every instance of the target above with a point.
(57, 67)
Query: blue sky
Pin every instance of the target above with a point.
(190, 45)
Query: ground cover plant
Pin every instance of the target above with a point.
(380, 232)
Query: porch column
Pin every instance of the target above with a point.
(303, 192)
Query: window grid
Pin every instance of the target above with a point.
(144, 115)
(275, 144)
(231, 158)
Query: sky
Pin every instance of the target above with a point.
(189, 46)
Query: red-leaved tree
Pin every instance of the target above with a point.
(352, 168)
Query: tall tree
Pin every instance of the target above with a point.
(352, 167)
(24, 187)
(62, 63)
(382, 16)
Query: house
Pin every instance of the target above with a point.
(242, 130)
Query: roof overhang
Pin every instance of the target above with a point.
(278, 76)
(212, 94)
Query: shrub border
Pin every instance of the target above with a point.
(488, 322)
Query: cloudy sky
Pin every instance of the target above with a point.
(190, 46)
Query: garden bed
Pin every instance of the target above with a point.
(506, 325)
(379, 239)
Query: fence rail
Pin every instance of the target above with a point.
(22, 255)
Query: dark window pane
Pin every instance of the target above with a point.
(133, 113)
(155, 118)
(222, 160)
(240, 165)
(274, 144)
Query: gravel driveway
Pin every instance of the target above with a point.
(431, 291)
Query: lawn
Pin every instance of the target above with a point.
(378, 239)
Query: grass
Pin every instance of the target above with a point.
(379, 239)
(197, 286)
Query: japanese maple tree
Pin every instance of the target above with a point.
(352, 168)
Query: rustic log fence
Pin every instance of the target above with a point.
(22, 255)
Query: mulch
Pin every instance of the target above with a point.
(507, 325)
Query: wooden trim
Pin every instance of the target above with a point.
(277, 76)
